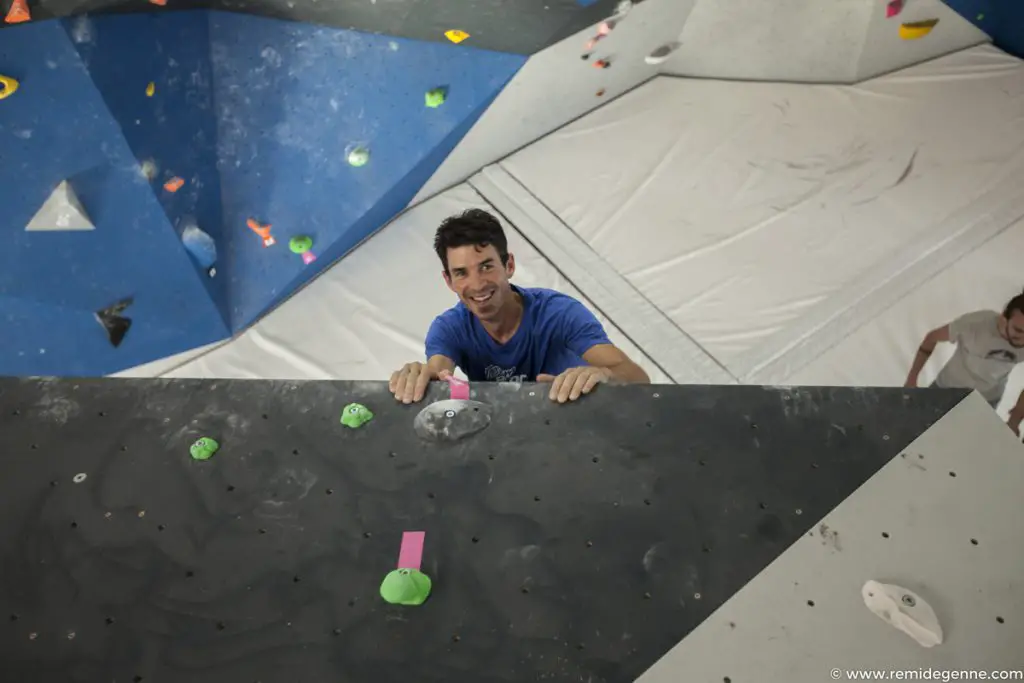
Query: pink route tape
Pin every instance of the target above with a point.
(460, 388)
(411, 554)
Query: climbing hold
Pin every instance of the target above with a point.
(979, 17)
(60, 211)
(355, 415)
(262, 230)
(204, 448)
(917, 29)
(161, 3)
(8, 86)
(148, 169)
(300, 244)
(174, 184)
(451, 419)
(660, 54)
(905, 610)
(602, 64)
(18, 12)
(358, 156)
(150, 89)
(893, 8)
(113, 322)
(455, 35)
(436, 97)
(308, 257)
(405, 587)
(600, 93)
(79, 478)
(200, 245)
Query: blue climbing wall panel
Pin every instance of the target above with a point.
(257, 116)
(174, 130)
(291, 99)
(1002, 20)
(56, 127)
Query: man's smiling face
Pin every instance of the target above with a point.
(477, 275)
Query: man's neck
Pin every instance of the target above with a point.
(505, 325)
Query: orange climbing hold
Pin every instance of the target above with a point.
(261, 230)
(174, 184)
(18, 12)
(158, 2)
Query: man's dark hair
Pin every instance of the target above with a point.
(475, 227)
(1016, 304)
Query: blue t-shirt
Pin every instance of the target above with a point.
(555, 332)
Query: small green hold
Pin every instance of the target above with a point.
(436, 97)
(355, 415)
(358, 156)
(204, 448)
(405, 587)
(980, 17)
(300, 244)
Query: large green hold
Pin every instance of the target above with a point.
(204, 448)
(355, 415)
(405, 587)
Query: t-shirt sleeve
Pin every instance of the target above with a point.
(966, 323)
(442, 341)
(581, 329)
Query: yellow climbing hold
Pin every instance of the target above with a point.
(150, 89)
(8, 86)
(455, 35)
(917, 29)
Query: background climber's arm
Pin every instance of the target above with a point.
(924, 352)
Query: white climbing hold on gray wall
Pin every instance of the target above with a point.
(904, 610)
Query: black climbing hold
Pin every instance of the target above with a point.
(113, 322)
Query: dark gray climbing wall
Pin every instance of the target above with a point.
(566, 542)
(521, 27)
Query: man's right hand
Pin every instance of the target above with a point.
(410, 383)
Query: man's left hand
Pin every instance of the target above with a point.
(575, 382)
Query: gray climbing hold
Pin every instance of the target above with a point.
(452, 419)
(61, 211)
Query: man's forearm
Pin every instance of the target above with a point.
(924, 352)
(1017, 413)
(628, 372)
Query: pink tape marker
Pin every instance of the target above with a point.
(411, 554)
(460, 388)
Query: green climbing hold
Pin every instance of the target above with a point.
(355, 415)
(358, 156)
(204, 448)
(405, 587)
(436, 97)
(300, 244)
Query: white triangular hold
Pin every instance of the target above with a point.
(62, 211)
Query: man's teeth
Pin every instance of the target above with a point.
(483, 298)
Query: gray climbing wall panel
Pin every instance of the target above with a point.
(565, 542)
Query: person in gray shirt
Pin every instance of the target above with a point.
(988, 346)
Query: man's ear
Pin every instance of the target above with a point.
(447, 279)
(510, 267)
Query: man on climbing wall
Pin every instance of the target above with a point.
(988, 346)
(504, 333)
